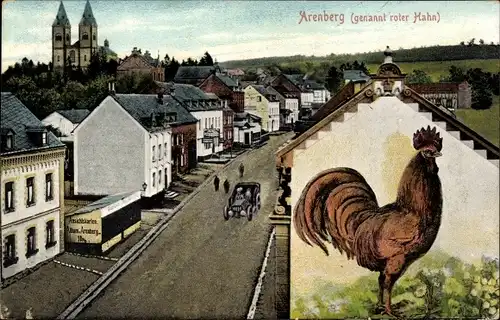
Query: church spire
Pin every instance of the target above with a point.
(88, 17)
(61, 17)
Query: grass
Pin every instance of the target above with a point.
(484, 122)
(436, 69)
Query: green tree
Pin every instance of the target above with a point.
(481, 91)
(73, 93)
(456, 74)
(334, 80)
(206, 60)
(418, 76)
(95, 92)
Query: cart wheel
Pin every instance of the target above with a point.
(226, 213)
(257, 201)
(250, 213)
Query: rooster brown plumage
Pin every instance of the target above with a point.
(340, 205)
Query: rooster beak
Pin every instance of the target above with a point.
(437, 154)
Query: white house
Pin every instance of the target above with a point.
(320, 93)
(208, 110)
(32, 176)
(378, 133)
(247, 129)
(306, 99)
(274, 115)
(125, 145)
(65, 120)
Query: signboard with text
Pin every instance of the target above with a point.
(84, 228)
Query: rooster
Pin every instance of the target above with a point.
(339, 206)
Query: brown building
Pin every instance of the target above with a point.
(226, 88)
(228, 129)
(138, 63)
(447, 94)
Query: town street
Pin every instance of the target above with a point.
(201, 266)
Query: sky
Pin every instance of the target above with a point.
(233, 30)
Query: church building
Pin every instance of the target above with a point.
(80, 52)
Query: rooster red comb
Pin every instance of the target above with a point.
(426, 138)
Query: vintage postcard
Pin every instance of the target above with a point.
(249, 160)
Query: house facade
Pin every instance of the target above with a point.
(141, 64)
(375, 132)
(320, 93)
(65, 120)
(449, 95)
(226, 88)
(105, 163)
(289, 107)
(32, 194)
(257, 100)
(247, 129)
(274, 115)
(227, 128)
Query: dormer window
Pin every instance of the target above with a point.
(7, 139)
(38, 135)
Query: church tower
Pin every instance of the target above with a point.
(61, 38)
(87, 34)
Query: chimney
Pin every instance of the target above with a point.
(111, 88)
(160, 97)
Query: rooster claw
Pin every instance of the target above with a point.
(393, 314)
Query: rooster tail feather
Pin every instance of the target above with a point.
(331, 207)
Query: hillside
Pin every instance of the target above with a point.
(434, 53)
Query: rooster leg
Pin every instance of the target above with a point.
(393, 270)
(381, 281)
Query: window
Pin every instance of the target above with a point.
(207, 145)
(85, 57)
(206, 123)
(159, 152)
(182, 160)
(44, 138)
(58, 58)
(9, 257)
(49, 234)
(159, 177)
(181, 139)
(259, 99)
(9, 197)
(30, 192)
(58, 37)
(8, 142)
(85, 36)
(154, 178)
(166, 154)
(93, 36)
(31, 243)
(48, 187)
(154, 150)
(67, 37)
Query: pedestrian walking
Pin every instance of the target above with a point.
(242, 169)
(216, 183)
(226, 186)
